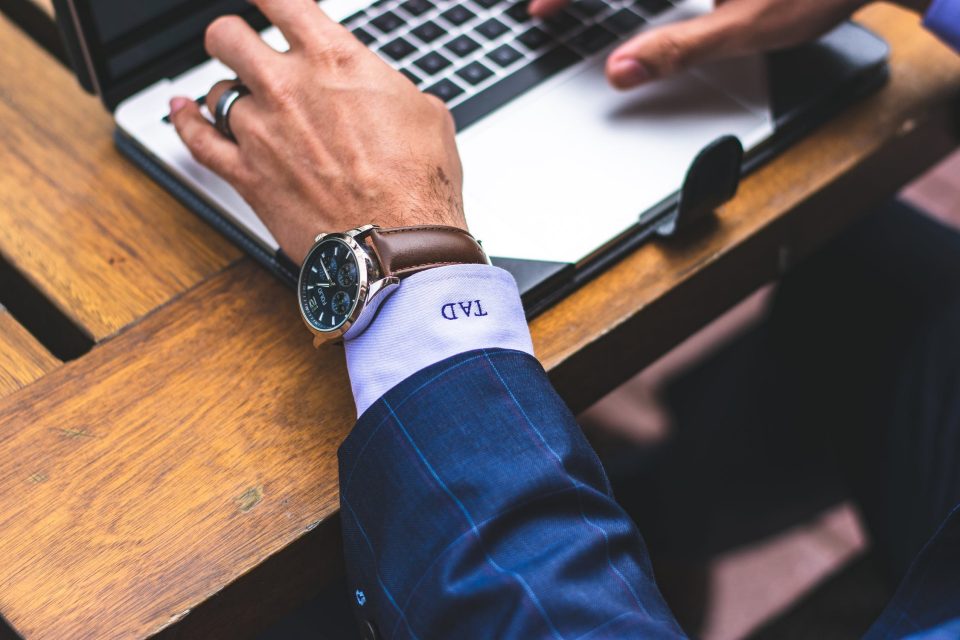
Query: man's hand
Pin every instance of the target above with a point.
(330, 137)
(734, 28)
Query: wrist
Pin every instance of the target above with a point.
(345, 277)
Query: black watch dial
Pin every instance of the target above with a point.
(329, 285)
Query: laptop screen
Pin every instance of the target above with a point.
(129, 45)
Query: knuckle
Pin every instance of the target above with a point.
(339, 54)
(278, 89)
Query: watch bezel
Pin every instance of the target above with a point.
(367, 273)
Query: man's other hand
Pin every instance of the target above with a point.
(733, 28)
(330, 136)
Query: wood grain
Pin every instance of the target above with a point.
(170, 462)
(22, 359)
(90, 231)
(660, 294)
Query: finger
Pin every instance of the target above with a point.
(734, 28)
(205, 143)
(240, 112)
(671, 48)
(544, 8)
(300, 21)
(234, 43)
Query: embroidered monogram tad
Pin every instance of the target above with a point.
(465, 309)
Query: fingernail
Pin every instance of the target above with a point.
(178, 103)
(628, 72)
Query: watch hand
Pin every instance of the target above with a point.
(325, 272)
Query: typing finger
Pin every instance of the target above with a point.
(205, 143)
(242, 113)
(234, 43)
(301, 21)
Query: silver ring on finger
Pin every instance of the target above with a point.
(221, 113)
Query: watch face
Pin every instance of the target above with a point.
(329, 285)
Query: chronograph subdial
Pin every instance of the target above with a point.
(347, 274)
(340, 304)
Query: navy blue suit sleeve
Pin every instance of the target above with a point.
(473, 507)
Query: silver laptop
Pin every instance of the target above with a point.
(558, 165)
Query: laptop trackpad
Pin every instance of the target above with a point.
(563, 170)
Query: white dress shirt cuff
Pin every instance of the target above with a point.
(432, 316)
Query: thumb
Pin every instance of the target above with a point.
(734, 28)
(671, 48)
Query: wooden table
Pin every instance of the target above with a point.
(22, 358)
(177, 477)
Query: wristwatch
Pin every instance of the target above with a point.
(347, 276)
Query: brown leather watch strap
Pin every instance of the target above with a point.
(403, 251)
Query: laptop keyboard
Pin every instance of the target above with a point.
(477, 55)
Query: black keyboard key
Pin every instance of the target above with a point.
(417, 7)
(353, 19)
(504, 55)
(429, 31)
(561, 23)
(398, 49)
(432, 63)
(462, 46)
(492, 29)
(654, 7)
(387, 22)
(488, 4)
(515, 84)
(411, 76)
(589, 8)
(534, 38)
(446, 90)
(363, 35)
(379, 3)
(623, 22)
(519, 12)
(593, 39)
(458, 15)
(474, 73)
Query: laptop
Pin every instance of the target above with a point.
(563, 174)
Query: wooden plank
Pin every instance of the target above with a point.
(168, 463)
(22, 359)
(637, 310)
(36, 18)
(92, 233)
